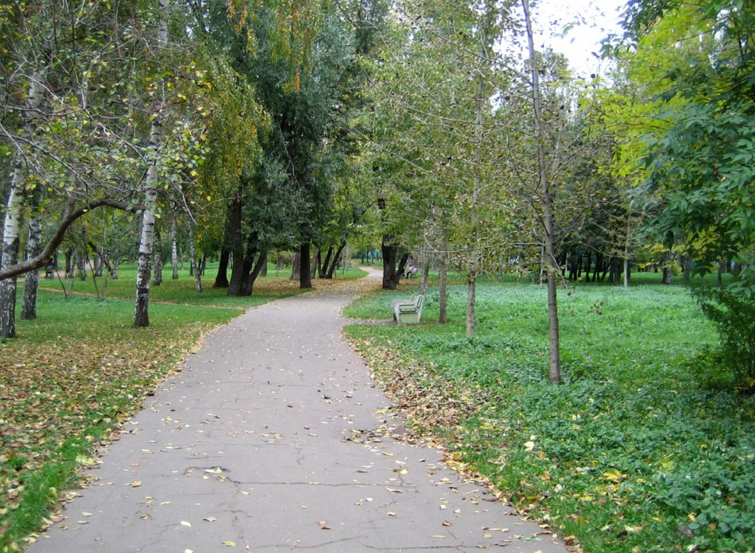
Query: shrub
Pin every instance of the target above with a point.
(733, 315)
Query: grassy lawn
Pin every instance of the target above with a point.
(74, 374)
(637, 451)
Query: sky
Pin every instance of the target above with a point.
(593, 19)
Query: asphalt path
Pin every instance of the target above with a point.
(266, 441)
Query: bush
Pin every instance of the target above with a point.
(734, 317)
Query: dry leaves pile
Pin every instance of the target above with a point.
(63, 390)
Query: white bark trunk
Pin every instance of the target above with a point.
(34, 248)
(141, 306)
(11, 231)
(173, 245)
(144, 264)
(12, 226)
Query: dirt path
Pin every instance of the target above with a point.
(263, 443)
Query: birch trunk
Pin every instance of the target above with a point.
(551, 267)
(146, 240)
(34, 248)
(13, 213)
(11, 232)
(173, 245)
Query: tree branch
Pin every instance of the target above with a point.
(69, 217)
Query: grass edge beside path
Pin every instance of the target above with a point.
(633, 454)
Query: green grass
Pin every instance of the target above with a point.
(632, 453)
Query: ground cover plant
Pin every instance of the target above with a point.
(636, 451)
(73, 375)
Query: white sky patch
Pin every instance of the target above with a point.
(590, 21)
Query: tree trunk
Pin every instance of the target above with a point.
(11, 241)
(33, 248)
(12, 226)
(615, 270)
(195, 269)
(305, 278)
(157, 260)
(81, 263)
(238, 271)
(668, 268)
(221, 279)
(334, 261)
(471, 295)
(315, 267)
(390, 278)
(326, 264)
(423, 278)
(296, 266)
(173, 245)
(256, 272)
(443, 282)
(554, 365)
(147, 238)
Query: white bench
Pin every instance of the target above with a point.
(408, 311)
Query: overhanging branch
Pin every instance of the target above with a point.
(69, 217)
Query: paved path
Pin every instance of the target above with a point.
(248, 449)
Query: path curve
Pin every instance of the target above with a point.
(263, 443)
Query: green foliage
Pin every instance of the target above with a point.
(733, 314)
(632, 453)
(699, 155)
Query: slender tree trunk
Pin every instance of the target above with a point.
(173, 245)
(157, 261)
(668, 270)
(256, 271)
(315, 267)
(471, 295)
(33, 248)
(195, 269)
(81, 262)
(147, 238)
(12, 226)
(326, 264)
(334, 261)
(554, 365)
(11, 241)
(443, 291)
(443, 281)
(424, 276)
(221, 279)
(305, 278)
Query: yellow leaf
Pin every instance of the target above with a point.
(229, 543)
